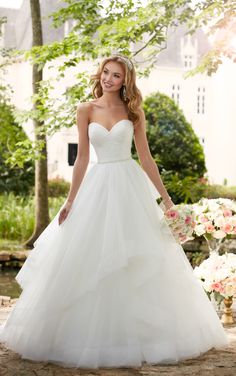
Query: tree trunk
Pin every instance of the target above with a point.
(41, 172)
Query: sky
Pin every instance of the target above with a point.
(10, 3)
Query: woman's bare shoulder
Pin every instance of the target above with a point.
(83, 107)
(86, 107)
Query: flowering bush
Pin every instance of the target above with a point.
(218, 275)
(215, 218)
(180, 218)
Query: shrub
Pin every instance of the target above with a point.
(215, 191)
(58, 187)
(13, 179)
(172, 141)
(187, 190)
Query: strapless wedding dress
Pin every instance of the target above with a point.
(110, 286)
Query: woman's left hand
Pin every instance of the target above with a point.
(168, 204)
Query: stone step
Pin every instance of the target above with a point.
(17, 255)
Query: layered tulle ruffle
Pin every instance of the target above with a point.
(110, 286)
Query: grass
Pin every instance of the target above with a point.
(10, 245)
(17, 217)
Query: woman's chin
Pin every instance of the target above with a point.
(109, 90)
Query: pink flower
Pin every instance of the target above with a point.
(188, 220)
(193, 224)
(227, 213)
(227, 228)
(203, 219)
(172, 214)
(217, 286)
(234, 230)
(209, 227)
(182, 238)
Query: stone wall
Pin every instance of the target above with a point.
(197, 249)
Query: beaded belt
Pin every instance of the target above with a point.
(117, 160)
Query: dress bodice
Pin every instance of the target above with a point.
(112, 145)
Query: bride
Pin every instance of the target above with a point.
(106, 284)
(117, 97)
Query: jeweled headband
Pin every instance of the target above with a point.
(126, 60)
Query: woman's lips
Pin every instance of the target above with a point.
(107, 85)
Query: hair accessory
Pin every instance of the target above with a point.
(126, 60)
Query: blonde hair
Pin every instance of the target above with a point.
(133, 98)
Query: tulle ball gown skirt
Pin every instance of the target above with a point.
(110, 286)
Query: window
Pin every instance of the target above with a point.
(72, 153)
(201, 100)
(188, 61)
(175, 93)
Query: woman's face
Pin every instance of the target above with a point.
(112, 77)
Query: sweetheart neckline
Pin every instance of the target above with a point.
(109, 130)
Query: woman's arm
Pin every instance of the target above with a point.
(147, 161)
(82, 159)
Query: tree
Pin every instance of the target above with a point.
(41, 178)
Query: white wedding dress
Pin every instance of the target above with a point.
(110, 286)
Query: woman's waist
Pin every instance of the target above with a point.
(113, 160)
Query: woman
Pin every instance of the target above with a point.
(107, 285)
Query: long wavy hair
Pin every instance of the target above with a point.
(133, 97)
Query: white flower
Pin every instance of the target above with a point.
(232, 220)
(222, 274)
(200, 230)
(218, 234)
(207, 286)
(198, 272)
(229, 290)
(218, 269)
(220, 221)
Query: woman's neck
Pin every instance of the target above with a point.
(110, 99)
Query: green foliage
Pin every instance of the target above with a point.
(187, 189)
(133, 28)
(218, 15)
(58, 187)
(17, 215)
(101, 28)
(13, 178)
(216, 190)
(173, 143)
(197, 258)
(191, 190)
